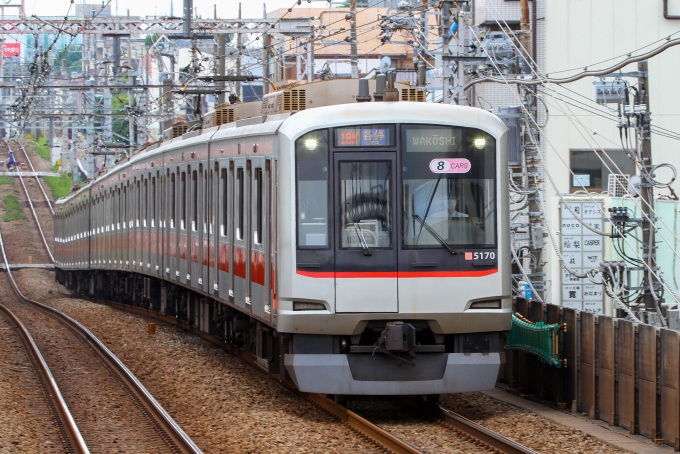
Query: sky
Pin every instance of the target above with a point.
(226, 9)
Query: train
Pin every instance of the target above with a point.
(357, 249)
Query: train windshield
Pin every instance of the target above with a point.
(449, 192)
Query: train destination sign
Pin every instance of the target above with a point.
(428, 139)
(455, 165)
(365, 136)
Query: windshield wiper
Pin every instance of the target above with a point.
(360, 235)
(432, 231)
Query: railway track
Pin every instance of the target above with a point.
(475, 437)
(30, 199)
(113, 410)
(54, 404)
(471, 436)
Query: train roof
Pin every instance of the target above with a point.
(320, 117)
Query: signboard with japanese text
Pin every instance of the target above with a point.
(12, 49)
(582, 250)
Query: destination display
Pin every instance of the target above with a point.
(365, 136)
(433, 139)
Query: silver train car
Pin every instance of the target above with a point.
(357, 248)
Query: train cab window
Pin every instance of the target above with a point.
(241, 205)
(224, 202)
(173, 200)
(311, 166)
(183, 201)
(194, 201)
(257, 233)
(449, 190)
(365, 204)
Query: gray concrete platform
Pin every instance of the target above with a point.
(21, 266)
(615, 436)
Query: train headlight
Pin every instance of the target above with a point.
(489, 304)
(343, 343)
(480, 143)
(311, 144)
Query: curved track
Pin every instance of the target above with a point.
(30, 202)
(66, 424)
(478, 437)
(114, 410)
(28, 161)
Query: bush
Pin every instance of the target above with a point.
(41, 148)
(12, 208)
(60, 185)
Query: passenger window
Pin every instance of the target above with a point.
(183, 201)
(257, 234)
(311, 165)
(239, 182)
(173, 200)
(194, 191)
(225, 202)
(205, 199)
(153, 202)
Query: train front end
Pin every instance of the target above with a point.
(394, 273)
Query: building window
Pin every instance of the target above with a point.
(592, 168)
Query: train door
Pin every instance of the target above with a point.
(206, 226)
(196, 230)
(124, 232)
(184, 243)
(259, 237)
(174, 225)
(216, 226)
(223, 209)
(241, 238)
(272, 306)
(365, 249)
(144, 226)
(153, 225)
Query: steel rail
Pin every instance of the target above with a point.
(35, 216)
(159, 415)
(481, 433)
(45, 375)
(49, 203)
(368, 429)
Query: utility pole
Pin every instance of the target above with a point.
(266, 55)
(353, 39)
(461, 51)
(647, 190)
(239, 44)
(525, 30)
(447, 76)
(531, 171)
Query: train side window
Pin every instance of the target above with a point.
(225, 202)
(194, 198)
(183, 201)
(173, 200)
(311, 165)
(145, 204)
(240, 183)
(123, 201)
(257, 234)
(153, 202)
(206, 203)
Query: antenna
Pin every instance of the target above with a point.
(385, 64)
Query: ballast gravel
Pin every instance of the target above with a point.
(221, 403)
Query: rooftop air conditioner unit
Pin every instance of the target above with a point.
(617, 186)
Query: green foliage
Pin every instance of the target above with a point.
(74, 58)
(5, 180)
(41, 148)
(60, 185)
(12, 209)
(120, 125)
